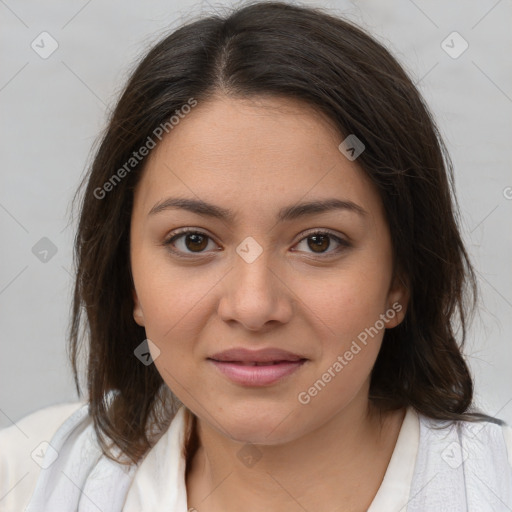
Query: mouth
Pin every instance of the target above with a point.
(257, 373)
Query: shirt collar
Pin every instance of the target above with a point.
(159, 483)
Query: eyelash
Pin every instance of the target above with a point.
(180, 233)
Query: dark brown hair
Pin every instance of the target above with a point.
(278, 49)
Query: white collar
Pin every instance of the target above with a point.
(393, 494)
(465, 465)
(159, 482)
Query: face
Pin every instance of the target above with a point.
(258, 271)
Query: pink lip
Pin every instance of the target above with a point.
(249, 375)
(238, 364)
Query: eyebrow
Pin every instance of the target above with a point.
(287, 213)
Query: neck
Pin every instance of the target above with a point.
(342, 462)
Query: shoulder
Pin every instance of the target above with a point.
(487, 437)
(462, 462)
(22, 447)
(483, 435)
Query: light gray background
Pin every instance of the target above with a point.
(54, 108)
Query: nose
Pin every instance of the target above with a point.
(256, 294)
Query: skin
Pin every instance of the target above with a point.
(255, 157)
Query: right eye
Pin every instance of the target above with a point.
(187, 241)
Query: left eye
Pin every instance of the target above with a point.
(320, 241)
(195, 242)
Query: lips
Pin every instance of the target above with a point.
(256, 357)
(256, 368)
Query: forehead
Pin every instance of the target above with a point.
(253, 153)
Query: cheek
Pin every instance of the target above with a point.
(345, 302)
(171, 303)
(348, 337)
(177, 305)
(166, 291)
(170, 299)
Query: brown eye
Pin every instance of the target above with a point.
(188, 242)
(320, 243)
(195, 242)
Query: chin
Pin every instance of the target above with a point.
(259, 425)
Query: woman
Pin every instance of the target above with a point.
(269, 267)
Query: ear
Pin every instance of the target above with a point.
(397, 301)
(138, 314)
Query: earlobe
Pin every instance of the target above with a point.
(398, 299)
(138, 314)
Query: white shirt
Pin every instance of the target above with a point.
(456, 469)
